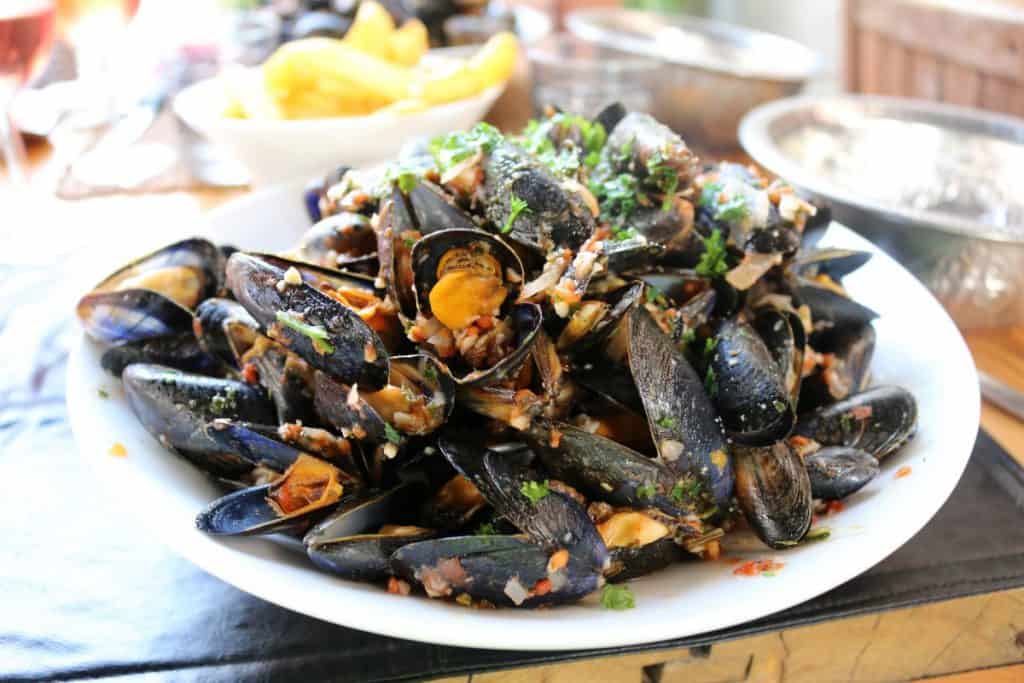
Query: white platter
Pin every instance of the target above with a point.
(918, 348)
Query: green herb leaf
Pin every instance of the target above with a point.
(317, 335)
(392, 434)
(666, 421)
(646, 491)
(732, 209)
(712, 262)
(688, 489)
(617, 596)
(103, 393)
(711, 382)
(709, 346)
(779, 406)
(518, 206)
(430, 372)
(534, 490)
(223, 404)
(653, 294)
(688, 337)
(663, 177)
(409, 242)
(407, 181)
(486, 529)
(623, 234)
(452, 148)
(619, 196)
(820, 533)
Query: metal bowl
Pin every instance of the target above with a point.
(939, 187)
(706, 74)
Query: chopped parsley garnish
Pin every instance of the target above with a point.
(222, 404)
(688, 337)
(623, 234)
(681, 491)
(620, 195)
(663, 177)
(518, 206)
(317, 335)
(534, 490)
(486, 529)
(846, 423)
(103, 393)
(653, 294)
(564, 162)
(430, 372)
(452, 148)
(779, 406)
(406, 181)
(732, 209)
(617, 596)
(712, 262)
(646, 491)
(711, 382)
(409, 242)
(666, 421)
(392, 434)
(709, 346)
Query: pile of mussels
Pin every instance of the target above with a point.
(510, 369)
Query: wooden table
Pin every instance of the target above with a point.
(965, 635)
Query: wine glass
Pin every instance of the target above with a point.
(26, 34)
(92, 28)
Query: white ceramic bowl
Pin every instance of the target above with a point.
(918, 348)
(277, 151)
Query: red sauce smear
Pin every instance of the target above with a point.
(834, 506)
(903, 472)
(758, 567)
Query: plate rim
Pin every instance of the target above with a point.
(239, 573)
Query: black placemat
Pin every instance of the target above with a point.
(86, 594)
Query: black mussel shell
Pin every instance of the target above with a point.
(339, 235)
(635, 561)
(153, 296)
(786, 344)
(615, 307)
(638, 137)
(286, 377)
(830, 309)
(879, 421)
(350, 350)
(433, 210)
(683, 423)
(748, 387)
(224, 329)
(610, 116)
(526, 321)
(849, 353)
(247, 512)
(175, 407)
(774, 492)
(837, 263)
(181, 352)
(838, 471)
(396, 235)
(503, 570)
(677, 285)
(251, 445)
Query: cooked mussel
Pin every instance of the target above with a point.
(180, 351)
(774, 492)
(748, 386)
(175, 407)
(153, 296)
(357, 540)
(597, 319)
(682, 420)
(834, 262)
(843, 366)
(337, 239)
(327, 334)
(638, 542)
(224, 329)
(638, 139)
(497, 570)
(879, 421)
(783, 335)
(830, 307)
(838, 471)
(307, 491)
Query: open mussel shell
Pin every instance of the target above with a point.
(180, 351)
(606, 470)
(472, 251)
(677, 285)
(584, 332)
(526, 321)
(434, 210)
(342, 235)
(879, 421)
(224, 329)
(554, 521)
(502, 570)
(287, 378)
(632, 253)
(348, 350)
(682, 420)
(838, 471)
(774, 492)
(396, 235)
(630, 562)
(748, 387)
(257, 510)
(834, 262)
(418, 399)
(175, 407)
(845, 369)
(783, 335)
(353, 541)
(153, 296)
(829, 308)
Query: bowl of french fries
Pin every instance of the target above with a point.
(317, 103)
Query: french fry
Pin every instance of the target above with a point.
(372, 30)
(494, 63)
(331, 66)
(409, 43)
(247, 98)
(446, 84)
